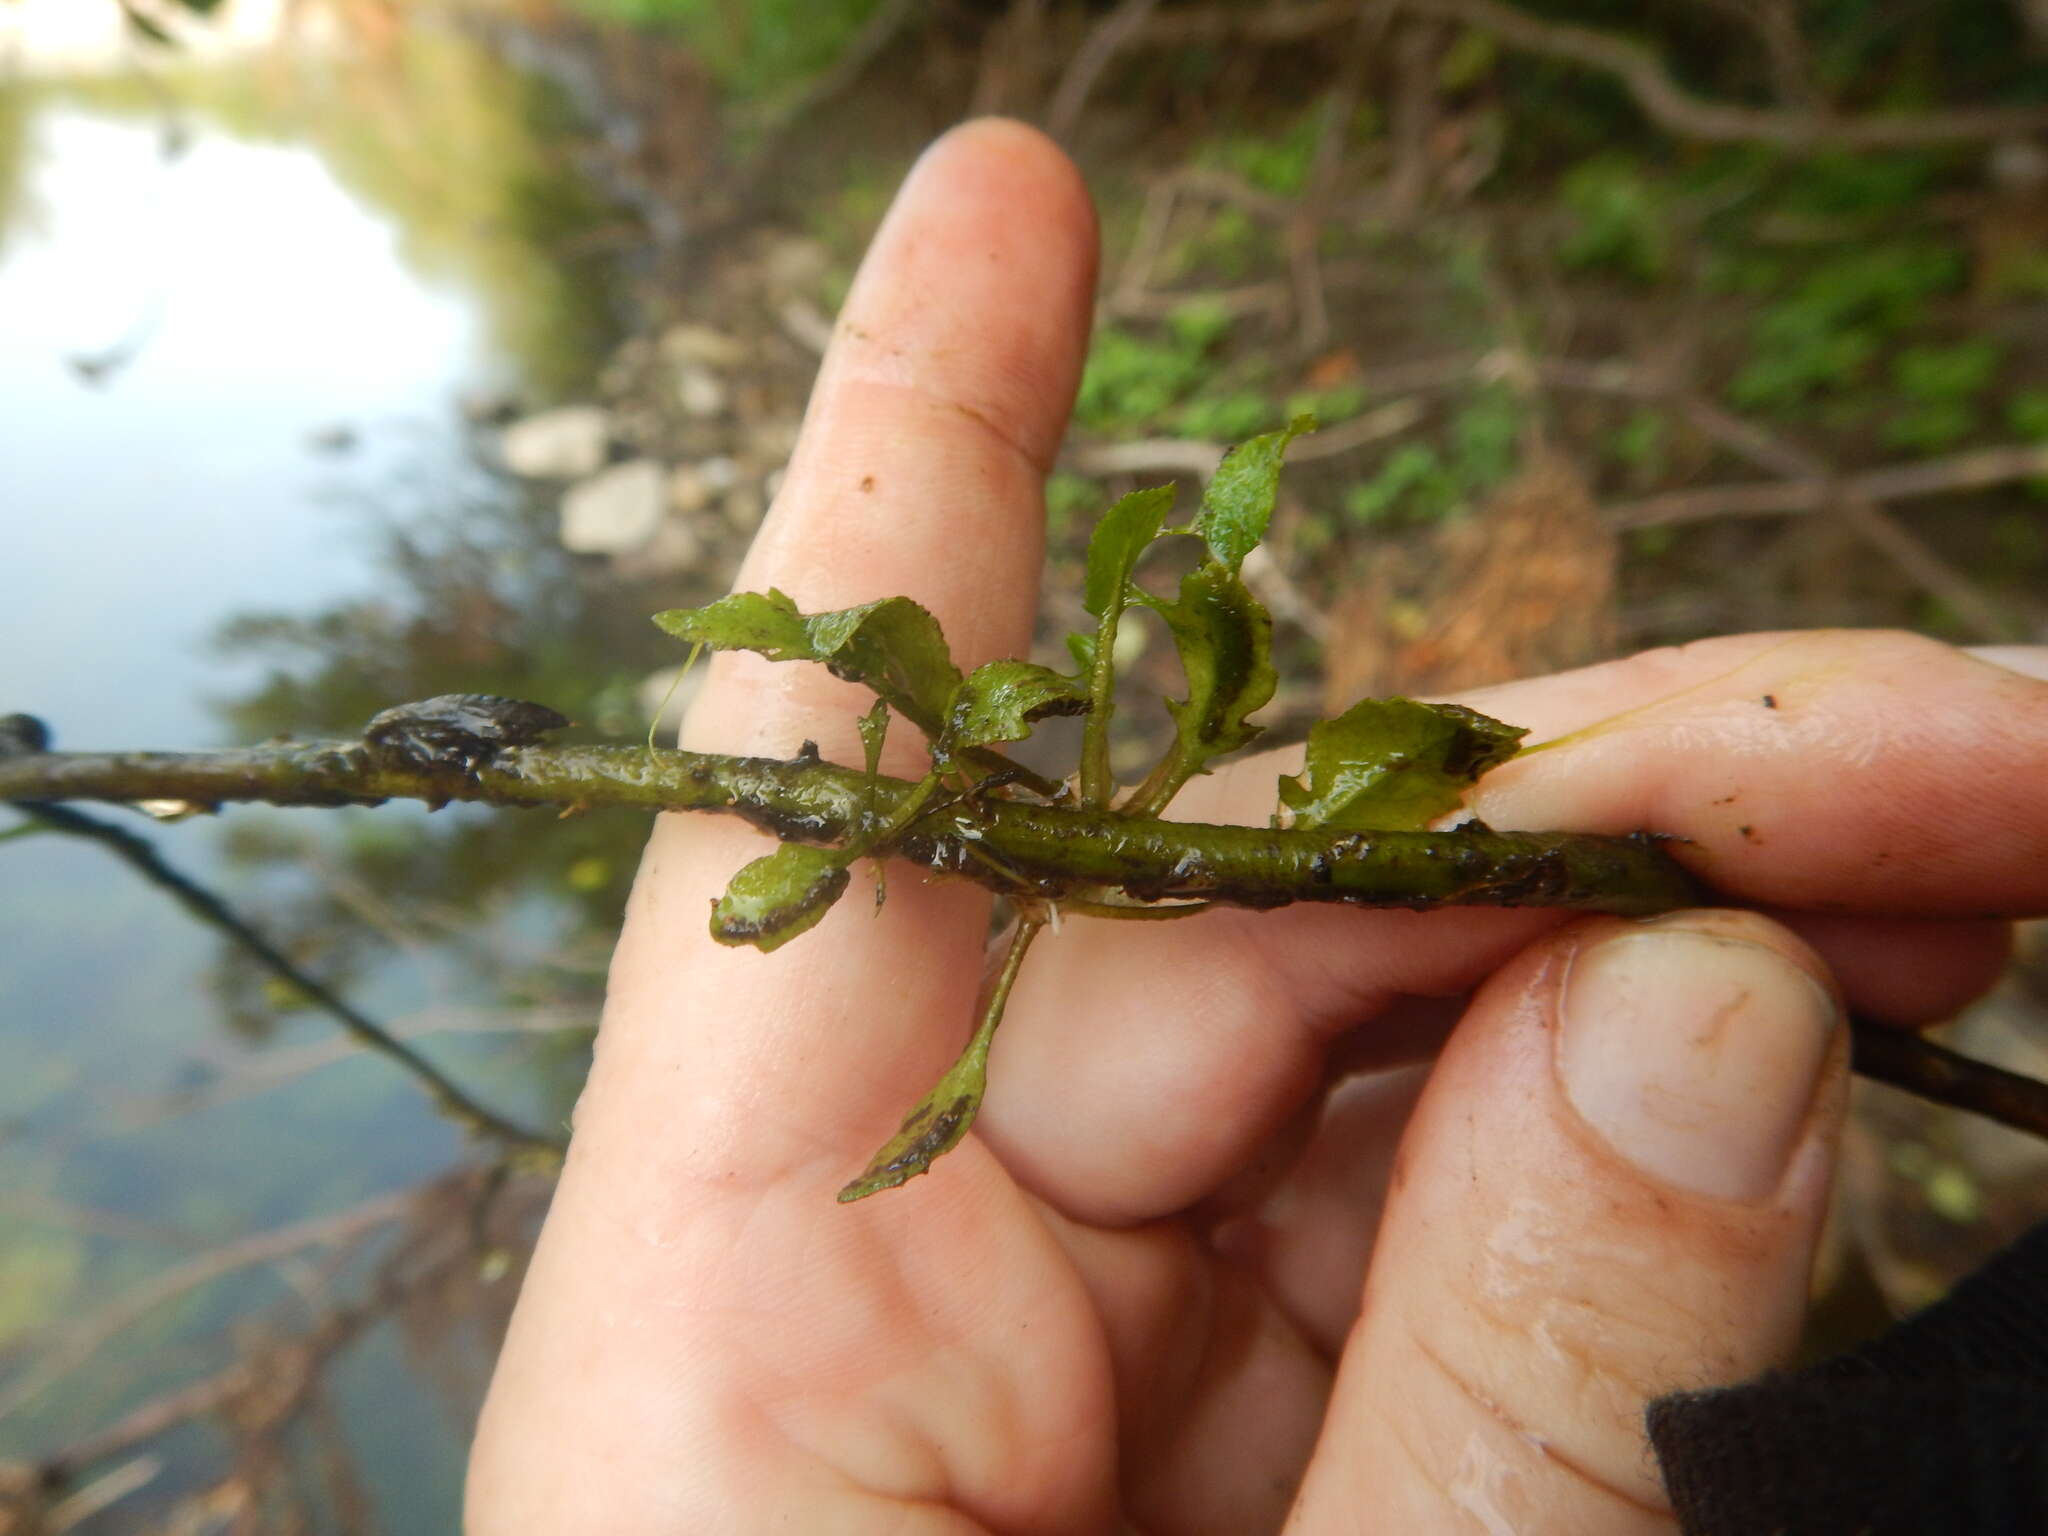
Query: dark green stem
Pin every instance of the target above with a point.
(1043, 853)
(1040, 851)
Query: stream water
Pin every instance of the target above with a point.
(238, 486)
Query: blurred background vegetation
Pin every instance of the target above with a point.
(360, 350)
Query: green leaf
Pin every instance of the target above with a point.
(874, 730)
(146, 28)
(1119, 539)
(999, 701)
(896, 648)
(1225, 639)
(766, 622)
(942, 1116)
(779, 896)
(932, 1129)
(1239, 500)
(893, 646)
(1394, 765)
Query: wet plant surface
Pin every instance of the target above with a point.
(1587, 381)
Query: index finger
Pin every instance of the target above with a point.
(701, 1321)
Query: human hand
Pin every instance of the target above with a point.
(1199, 1265)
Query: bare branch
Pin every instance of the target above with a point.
(1942, 1076)
(1970, 471)
(78, 1338)
(1641, 72)
(1672, 106)
(1104, 43)
(141, 856)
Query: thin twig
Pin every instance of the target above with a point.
(80, 1337)
(1304, 228)
(1812, 486)
(1256, 23)
(1103, 44)
(1775, 25)
(1912, 555)
(1970, 471)
(1197, 456)
(866, 45)
(1942, 1076)
(141, 856)
(1670, 105)
(274, 1069)
(1634, 63)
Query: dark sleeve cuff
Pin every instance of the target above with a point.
(1938, 1427)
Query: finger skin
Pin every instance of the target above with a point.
(706, 1341)
(1885, 801)
(1532, 1287)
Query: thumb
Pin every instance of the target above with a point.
(1611, 1189)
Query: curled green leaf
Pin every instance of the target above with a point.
(943, 1116)
(1000, 700)
(1394, 765)
(1225, 639)
(779, 896)
(1123, 535)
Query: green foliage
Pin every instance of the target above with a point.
(1469, 60)
(1067, 497)
(1239, 502)
(1383, 765)
(892, 645)
(779, 896)
(1825, 334)
(2026, 413)
(1228, 246)
(1640, 444)
(755, 49)
(1225, 417)
(1131, 380)
(1413, 485)
(1618, 220)
(1422, 482)
(1279, 163)
(1390, 765)
(1125, 532)
(1940, 390)
(1836, 184)
(1169, 381)
(1326, 405)
(38, 1273)
(999, 701)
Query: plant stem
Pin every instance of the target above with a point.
(1038, 851)
(1047, 853)
(1934, 1072)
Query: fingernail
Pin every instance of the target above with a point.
(1695, 1056)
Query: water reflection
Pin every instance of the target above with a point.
(237, 309)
